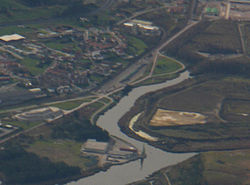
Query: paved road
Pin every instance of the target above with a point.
(165, 175)
(242, 39)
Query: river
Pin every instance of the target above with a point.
(156, 158)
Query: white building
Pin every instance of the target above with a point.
(94, 146)
(13, 37)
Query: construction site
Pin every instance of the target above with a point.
(176, 118)
(47, 113)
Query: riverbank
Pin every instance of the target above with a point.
(94, 171)
(207, 95)
(134, 170)
(225, 167)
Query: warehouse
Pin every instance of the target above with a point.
(13, 37)
(94, 146)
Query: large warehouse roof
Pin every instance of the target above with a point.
(92, 145)
(12, 37)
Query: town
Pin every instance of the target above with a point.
(63, 72)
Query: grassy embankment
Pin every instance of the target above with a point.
(69, 105)
(247, 37)
(55, 151)
(166, 68)
(166, 65)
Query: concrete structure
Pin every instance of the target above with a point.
(240, 1)
(129, 24)
(93, 146)
(141, 24)
(148, 27)
(13, 37)
(35, 90)
(42, 114)
(147, 23)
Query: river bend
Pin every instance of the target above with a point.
(156, 158)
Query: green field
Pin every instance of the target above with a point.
(32, 66)
(158, 79)
(71, 104)
(219, 37)
(166, 65)
(60, 45)
(22, 124)
(17, 12)
(21, 10)
(136, 46)
(67, 151)
(15, 29)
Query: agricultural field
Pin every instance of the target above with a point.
(220, 37)
(226, 167)
(236, 110)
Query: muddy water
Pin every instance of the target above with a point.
(156, 158)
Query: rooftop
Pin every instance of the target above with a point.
(12, 37)
(95, 145)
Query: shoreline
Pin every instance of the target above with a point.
(99, 169)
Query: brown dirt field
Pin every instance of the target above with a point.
(174, 118)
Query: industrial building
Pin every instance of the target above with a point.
(94, 146)
(13, 37)
(141, 24)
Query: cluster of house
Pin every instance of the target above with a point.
(91, 45)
